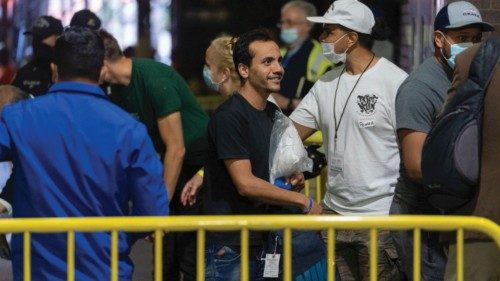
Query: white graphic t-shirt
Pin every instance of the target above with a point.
(363, 163)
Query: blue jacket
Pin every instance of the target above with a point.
(78, 155)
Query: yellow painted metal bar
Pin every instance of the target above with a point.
(114, 255)
(200, 255)
(254, 222)
(71, 256)
(373, 254)
(244, 254)
(460, 254)
(287, 254)
(235, 223)
(307, 188)
(158, 270)
(27, 256)
(331, 254)
(416, 253)
(318, 189)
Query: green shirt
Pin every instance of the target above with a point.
(155, 91)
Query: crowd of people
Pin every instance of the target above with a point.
(90, 132)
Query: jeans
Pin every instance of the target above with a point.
(222, 263)
(432, 256)
(308, 254)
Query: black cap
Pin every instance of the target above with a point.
(86, 18)
(44, 27)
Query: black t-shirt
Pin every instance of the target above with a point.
(34, 78)
(236, 131)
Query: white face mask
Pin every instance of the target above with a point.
(329, 51)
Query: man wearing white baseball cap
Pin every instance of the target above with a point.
(353, 106)
(419, 100)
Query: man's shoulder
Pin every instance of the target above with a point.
(430, 73)
(391, 70)
(232, 106)
(418, 86)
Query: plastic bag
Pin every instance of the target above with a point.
(286, 153)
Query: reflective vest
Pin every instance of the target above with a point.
(317, 64)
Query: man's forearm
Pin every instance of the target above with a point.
(172, 169)
(270, 194)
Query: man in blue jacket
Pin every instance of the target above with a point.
(76, 154)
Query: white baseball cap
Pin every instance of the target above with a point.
(348, 13)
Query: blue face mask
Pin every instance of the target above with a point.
(455, 49)
(289, 35)
(207, 76)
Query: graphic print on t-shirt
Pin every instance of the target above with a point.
(366, 104)
(367, 111)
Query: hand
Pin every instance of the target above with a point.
(297, 180)
(316, 209)
(190, 190)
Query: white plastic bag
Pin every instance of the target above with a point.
(286, 152)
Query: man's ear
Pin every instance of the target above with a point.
(102, 74)
(439, 39)
(243, 70)
(55, 76)
(352, 39)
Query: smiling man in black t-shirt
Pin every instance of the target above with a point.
(238, 171)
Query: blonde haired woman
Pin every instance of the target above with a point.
(220, 75)
(219, 71)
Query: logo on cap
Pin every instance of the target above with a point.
(471, 13)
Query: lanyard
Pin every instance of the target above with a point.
(337, 125)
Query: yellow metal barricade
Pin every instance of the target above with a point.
(244, 224)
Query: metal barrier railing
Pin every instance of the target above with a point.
(244, 224)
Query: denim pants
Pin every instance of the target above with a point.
(432, 256)
(308, 254)
(223, 263)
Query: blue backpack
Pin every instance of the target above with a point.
(452, 149)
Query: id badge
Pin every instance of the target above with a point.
(272, 266)
(337, 164)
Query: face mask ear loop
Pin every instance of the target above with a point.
(444, 36)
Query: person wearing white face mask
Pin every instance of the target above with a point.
(353, 106)
(419, 100)
(302, 57)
